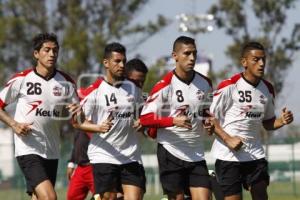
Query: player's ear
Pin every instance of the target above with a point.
(105, 63)
(36, 54)
(174, 55)
(243, 62)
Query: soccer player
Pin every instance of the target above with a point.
(176, 107)
(242, 104)
(114, 150)
(79, 170)
(41, 94)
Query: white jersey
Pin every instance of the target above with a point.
(41, 102)
(171, 97)
(120, 144)
(241, 108)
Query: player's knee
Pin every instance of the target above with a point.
(259, 191)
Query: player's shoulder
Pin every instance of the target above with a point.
(269, 86)
(83, 92)
(164, 82)
(66, 76)
(19, 75)
(231, 81)
(209, 82)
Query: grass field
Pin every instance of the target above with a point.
(277, 191)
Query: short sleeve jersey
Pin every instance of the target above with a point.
(41, 102)
(120, 144)
(241, 107)
(172, 97)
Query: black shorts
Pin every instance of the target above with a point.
(37, 169)
(233, 175)
(110, 177)
(178, 176)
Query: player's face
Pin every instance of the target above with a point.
(47, 55)
(254, 63)
(115, 65)
(185, 56)
(137, 77)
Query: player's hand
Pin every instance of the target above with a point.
(209, 123)
(234, 142)
(74, 108)
(70, 172)
(22, 129)
(182, 121)
(106, 125)
(137, 126)
(286, 116)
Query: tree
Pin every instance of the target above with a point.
(264, 23)
(83, 27)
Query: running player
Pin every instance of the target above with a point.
(176, 107)
(242, 104)
(41, 93)
(109, 110)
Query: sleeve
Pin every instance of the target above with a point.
(222, 101)
(11, 91)
(88, 105)
(207, 101)
(151, 115)
(270, 109)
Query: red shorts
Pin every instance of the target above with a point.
(81, 183)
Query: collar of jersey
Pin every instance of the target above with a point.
(115, 85)
(46, 79)
(254, 85)
(184, 81)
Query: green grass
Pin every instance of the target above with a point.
(277, 191)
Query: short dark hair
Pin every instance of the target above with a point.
(113, 47)
(251, 46)
(41, 38)
(183, 40)
(135, 65)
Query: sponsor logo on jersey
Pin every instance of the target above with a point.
(57, 91)
(249, 113)
(47, 113)
(34, 105)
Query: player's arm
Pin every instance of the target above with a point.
(286, 117)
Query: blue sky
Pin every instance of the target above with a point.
(212, 44)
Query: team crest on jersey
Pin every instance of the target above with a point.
(262, 99)
(57, 91)
(200, 95)
(130, 98)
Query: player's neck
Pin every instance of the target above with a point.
(185, 76)
(250, 78)
(44, 71)
(113, 80)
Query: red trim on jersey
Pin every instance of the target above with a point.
(152, 120)
(230, 81)
(270, 87)
(152, 132)
(2, 104)
(166, 80)
(19, 74)
(83, 92)
(206, 78)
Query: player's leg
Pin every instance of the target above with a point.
(40, 175)
(199, 180)
(172, 174)
(229, 178)
(106, 180)
(77, 189)
(133, 181)
(257, 178)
